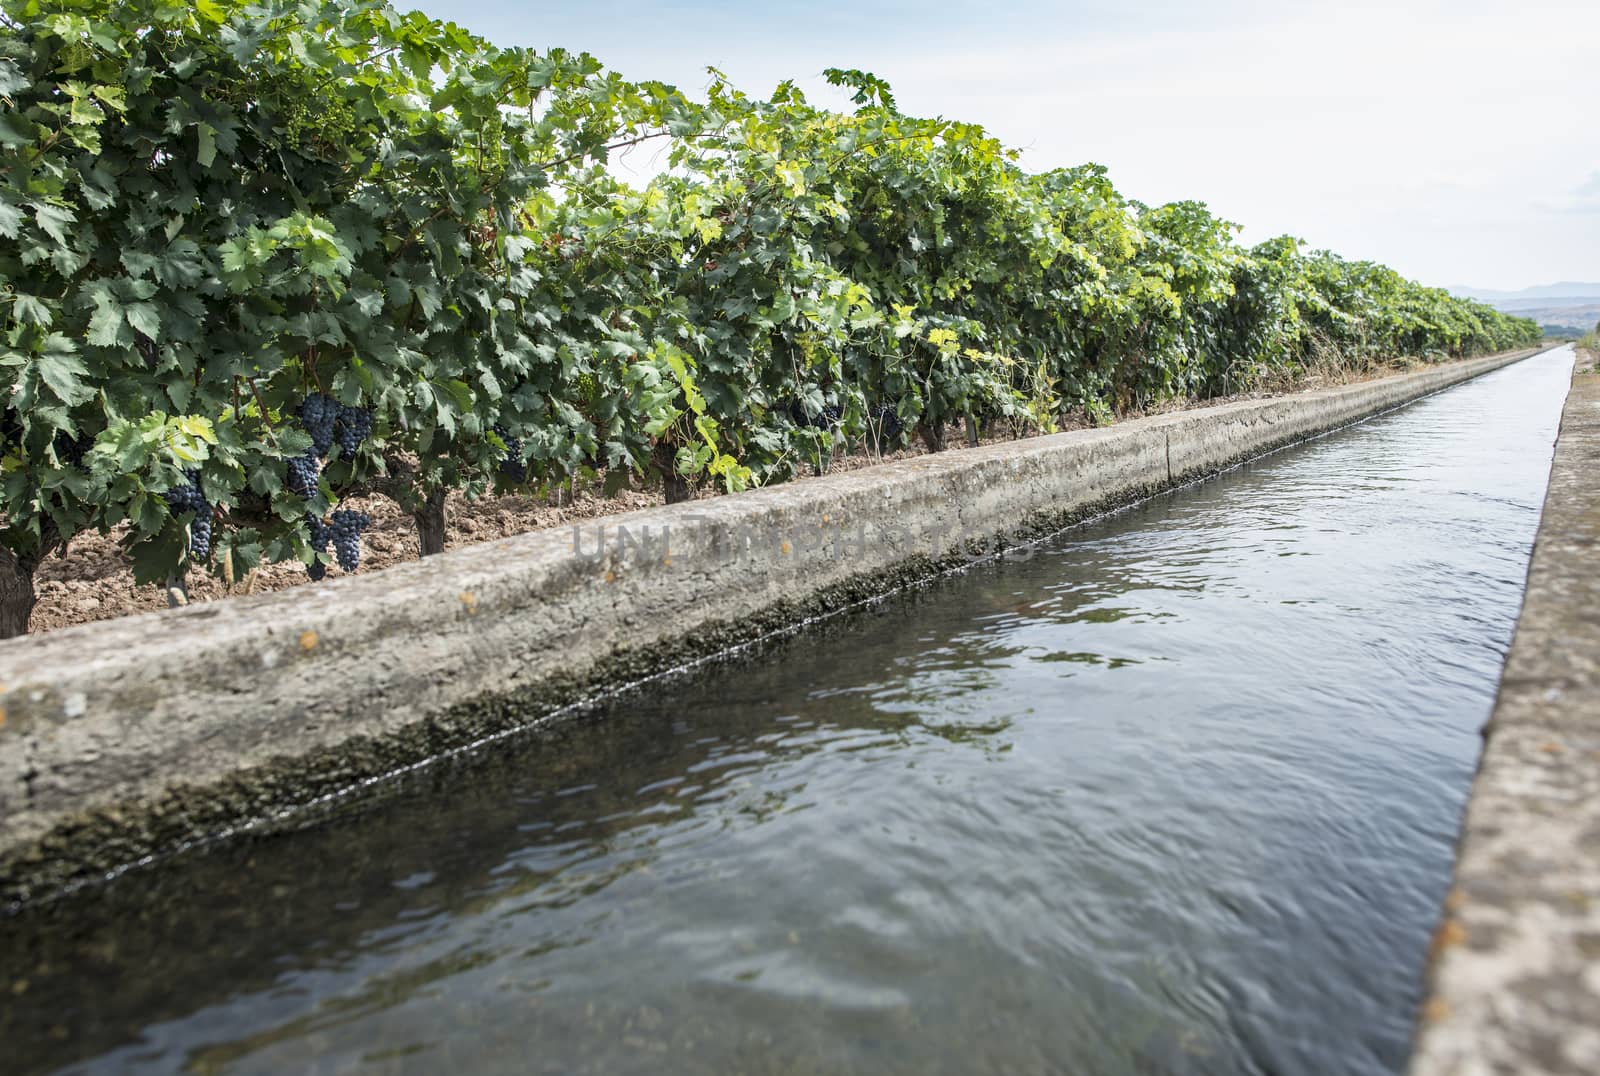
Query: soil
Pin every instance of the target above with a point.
(93, 579)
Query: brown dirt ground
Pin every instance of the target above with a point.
(93, 580)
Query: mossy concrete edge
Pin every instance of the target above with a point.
(128, 740)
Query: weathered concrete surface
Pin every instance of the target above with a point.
(1515, 982)
(130, 738)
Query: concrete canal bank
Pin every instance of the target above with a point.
(132, 738)
(1515, 987)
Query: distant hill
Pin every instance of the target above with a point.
(1541, 296)
(1565, 320)
(1568, 308)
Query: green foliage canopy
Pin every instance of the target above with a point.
(210, 211)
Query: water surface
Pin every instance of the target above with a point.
(1173, 793)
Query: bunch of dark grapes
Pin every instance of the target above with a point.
(887, 421)
(511, 465)
(190, 498)
(826, 419)
(303, 475)
(345, 527)
(355, 426)
(71, 450)
(318, 414)
(320, 534)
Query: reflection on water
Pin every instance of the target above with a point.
(1176, 793)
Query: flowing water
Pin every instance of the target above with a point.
(1174, 792)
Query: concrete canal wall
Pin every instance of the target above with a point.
(1515, 983)
(132, 738)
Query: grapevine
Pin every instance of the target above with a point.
(415, 219)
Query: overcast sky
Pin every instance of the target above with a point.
(1458, 142)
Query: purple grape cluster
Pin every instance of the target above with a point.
(303, 480)
(355, 426)
(344, 528)
(318, 415)
(826, 419)
(303, 475)
(320, 535)
(71, 450)
(511, 464)
(190, 498)
(887, 421)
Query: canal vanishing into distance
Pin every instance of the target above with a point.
(1175, 792)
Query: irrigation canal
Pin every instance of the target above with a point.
(1175, 792)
